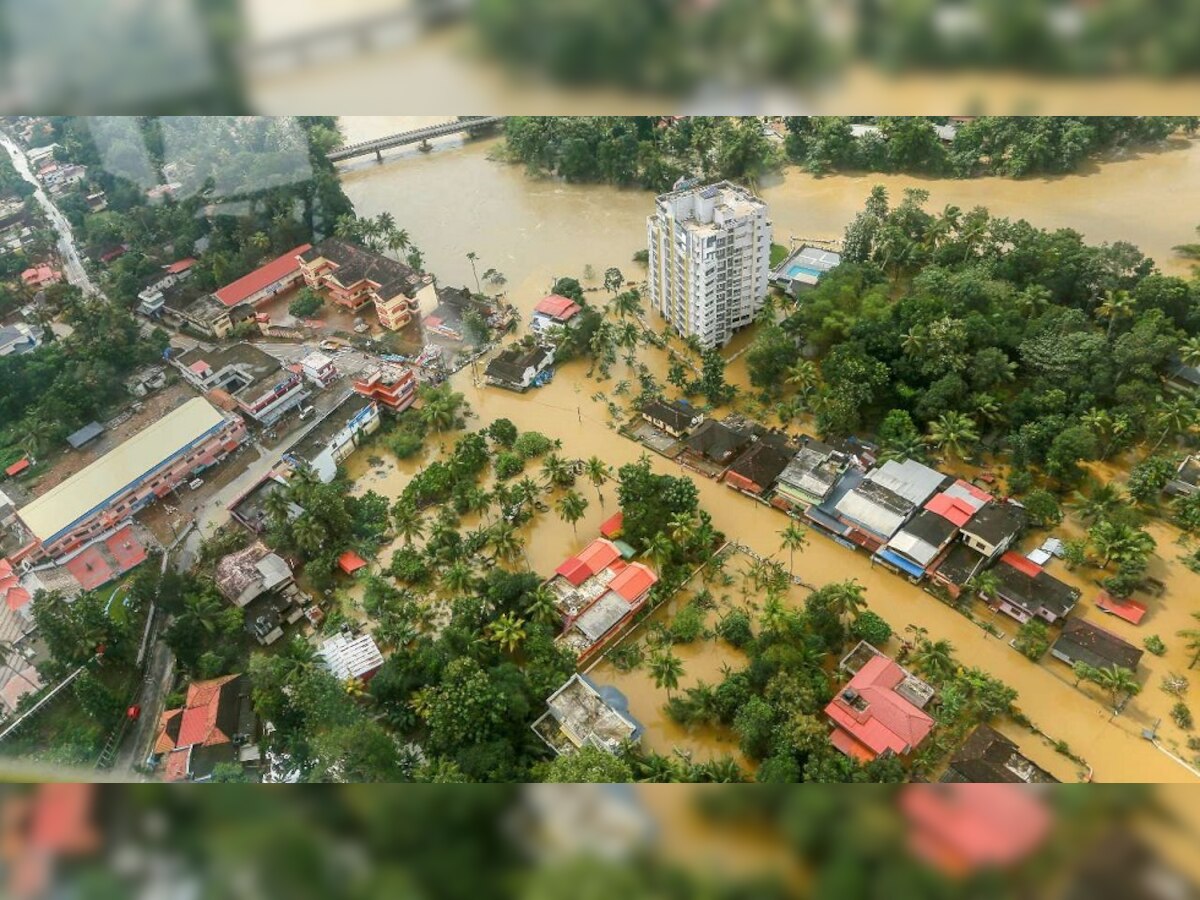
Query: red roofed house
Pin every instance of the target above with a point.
(350, 562)
(554, 311)
(961, 828)
(598, 593)
(180, 265)
(40, 275)
(280, 274)
(959, 502)
(611, 528)
(216, 724)
(880, 710)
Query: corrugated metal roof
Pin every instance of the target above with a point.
(875, 518)
(73, 499)
(910, 479)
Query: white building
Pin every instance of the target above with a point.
(710, 250)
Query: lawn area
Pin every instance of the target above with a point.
(778, 254)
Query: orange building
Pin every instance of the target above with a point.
(352, 276)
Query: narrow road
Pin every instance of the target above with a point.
(67, 248)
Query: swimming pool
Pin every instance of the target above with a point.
(796, 270)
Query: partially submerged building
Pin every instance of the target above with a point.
(215, 725)
(392, 386)
(810, 476)
(1186, 480)
(598, 593)
(988, 757)
(885, 499)
(127, 479)
(994, 528)
(880, 709)
(554, 311)
(755, 471)
(250, 507)
(1081, 641)
(518, 368)
(579, 715)
(352, 276)
(714, 445)
(676, 418)
(1025, 591)
(803, 268)
(334, 437)
(916, 547)
(243, 377)
(352, 657)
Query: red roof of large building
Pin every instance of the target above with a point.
(90, 568)
(557, 307)
(595, 557)
(238, 291)
(883, 720)
(633, 582)
(199, 723)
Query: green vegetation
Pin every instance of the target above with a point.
(306, 303)
(1014, 146)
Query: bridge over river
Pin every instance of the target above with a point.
(470, 124)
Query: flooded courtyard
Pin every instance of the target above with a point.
(454, 200)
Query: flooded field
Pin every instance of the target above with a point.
(456, 200)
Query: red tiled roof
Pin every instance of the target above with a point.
(1130, 610)
(11, 591)
(844, 741)
(963, 827)
(18, 467)
(164, 743)
(611, 527)
(90, 569)
(955, 509)
(633, 582)
(599, 555)
(574, 570)
(180, 265)
(889, 722)
(62, 819)
(178, 765)
(199, 724)
(237, 291)
(558, 307)
(1022, 564)
(125, 549)
(350, 562)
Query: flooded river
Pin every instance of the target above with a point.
(455, 199)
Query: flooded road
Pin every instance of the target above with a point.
(456, 200)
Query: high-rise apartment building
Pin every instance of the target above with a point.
(709, 254)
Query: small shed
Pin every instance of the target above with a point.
(85, 435)
(350, 562)
(18, 467)
(611, 527)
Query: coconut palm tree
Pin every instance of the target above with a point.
(985, 584)
(847, 600)
(472, 256)
(1189, 352)
(660, 550)
(597, 472)
(1121, 684)
(557, 471)
(1117, 305)
(278, 508)
(681, 528)
(541, 606)
(1120, 541)
(571, 507)
(408, 521)
(507, 542)
(794, 537)
(526, 491)
(627, 304)
(804, 376)
(457, 577)
(508, 631)
(309, 535)
(1100, 501)
(665, 669)
(1174, 416)
(774, 616)
(1192, 636)
(954, 434)
(934, 659)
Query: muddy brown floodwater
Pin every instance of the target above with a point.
(454, 200)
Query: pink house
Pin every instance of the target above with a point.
(40, 275)
(875, 712)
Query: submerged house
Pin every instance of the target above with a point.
(917, 545)
(755, 471)
(880, 709)
(957, 567)
(676, 418)
(877, 508)
(1025, 590)
(598, 593)
(714, 445)
(988, 757)
(554, 311)
(1081, 641)
(517, 368)
(993, 528)
(809, 477)
(579, 714)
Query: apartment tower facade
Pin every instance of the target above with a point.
(709, 256)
